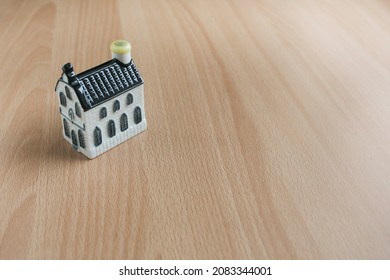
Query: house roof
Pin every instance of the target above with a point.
(105, 81)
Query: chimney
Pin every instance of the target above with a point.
(121, 50)
(67, 69)
(70, 77)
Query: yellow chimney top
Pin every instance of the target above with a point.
(121, 50)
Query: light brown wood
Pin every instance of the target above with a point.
(268, 136)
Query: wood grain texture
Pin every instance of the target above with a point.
(268, 132)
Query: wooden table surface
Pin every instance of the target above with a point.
(268, 132)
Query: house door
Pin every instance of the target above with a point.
(74, 140)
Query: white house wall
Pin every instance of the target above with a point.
(92, 120)
(78, 122)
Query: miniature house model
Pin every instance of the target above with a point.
(103, 106)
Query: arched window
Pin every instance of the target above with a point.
(71, 114)
(67, 91)
(74, 140)
(62, 99)
(81, 139)
(66, 128)
(129, 99)
(137, 115)
(111, 128)
(124, 122)
(103, 112)
(117, 106)
(97, 135)
(77, 110)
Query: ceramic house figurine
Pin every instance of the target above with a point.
(103, 106)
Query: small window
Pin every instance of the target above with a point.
(62, 99)
(117, 105)
(103, 112)
(137, 115)
(71, 114)
(66, 128)
(97, 135)
(77, 110)
(129, 99)
(81, 139)
(111, 128)
(124, 122)
(74, 140)
(67, 91)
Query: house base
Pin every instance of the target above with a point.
(111, 143)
